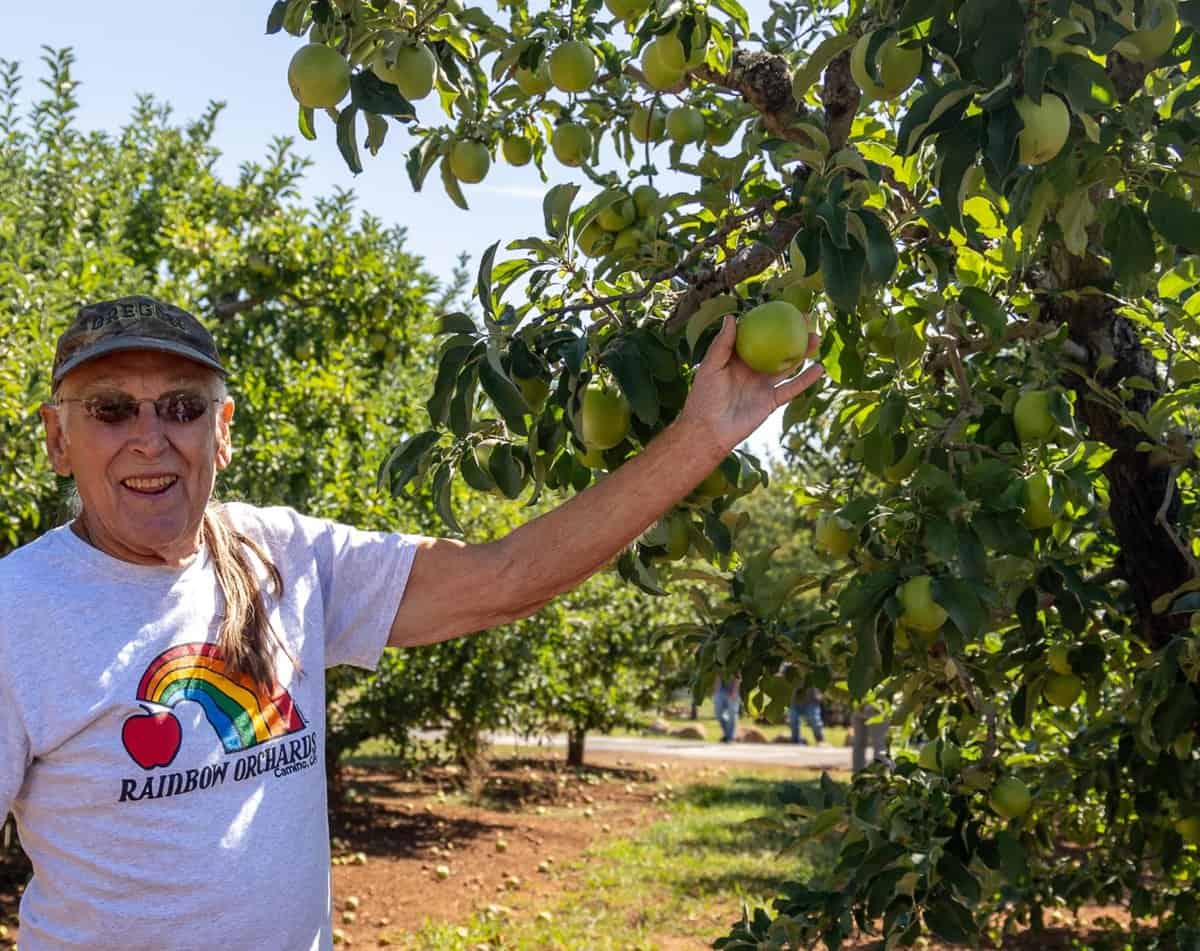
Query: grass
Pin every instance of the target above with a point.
(679, 883)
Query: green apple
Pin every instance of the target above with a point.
(318, 76)
(618, 216)
(685, 124)
(572, 66)
(1188, 828)
(1037, 501)
(469, 160)
(517, 150)
(627, 9)
(534, 82)
(658, 63)
(645, 197)
(1062, 690)
(1147, 44)
(921, 612)
(1046, 127)
(1032, 417)
(1010, 798)
(604, 417)
(571, 143)
(648, 125)
(534, 389)
(412, 73)
(1058, 659)
(772, 337)
(896, 66)
(947, 763)
(832, 538)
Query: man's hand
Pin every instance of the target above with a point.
(456, 588)
(732, 400)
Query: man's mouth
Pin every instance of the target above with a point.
(154, 485)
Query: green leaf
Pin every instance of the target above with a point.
(456, 323)
(377, 129)
(827, 50)
(962, 604)
(403, 461)
(635, 379)
(1001, 129)
(842, 271)
(275, 17)
(881, 250)
(984, 308)
(443, 476)
(453, 189)
(505, 396)
(371, 94)
(483, 284)
(1084, 82)
(736, 12)
(950, 921)
(1038, 61)
(1074, 218)
(556, 208)
(507, 472)
(1130, 244)
(305, 123)
(1175, 220)
(938, 108)
(346, 140)
(958, 148)
(866, 668)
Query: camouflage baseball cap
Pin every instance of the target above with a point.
(133, 323)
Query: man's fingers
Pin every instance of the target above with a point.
(721, 349)
(788, 391)
(814, 344)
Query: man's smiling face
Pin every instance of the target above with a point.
(144, 482)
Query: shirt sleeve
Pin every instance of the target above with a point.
(14, 750)
(363, 575)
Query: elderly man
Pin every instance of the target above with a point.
(153, 822)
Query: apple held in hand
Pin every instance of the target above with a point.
(152, 739)
(773, 337)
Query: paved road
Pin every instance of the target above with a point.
(774, 754)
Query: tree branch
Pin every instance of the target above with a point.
(758, 209)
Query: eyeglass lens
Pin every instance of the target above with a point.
(180, 407)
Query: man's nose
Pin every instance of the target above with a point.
(149, 433)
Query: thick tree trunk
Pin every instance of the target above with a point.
(575, 740)
(1140, 484)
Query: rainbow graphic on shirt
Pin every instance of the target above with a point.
(242, 715)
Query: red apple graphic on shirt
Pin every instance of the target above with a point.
(152, 739)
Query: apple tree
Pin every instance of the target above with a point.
(990, 208)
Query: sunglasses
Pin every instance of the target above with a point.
(179, 407)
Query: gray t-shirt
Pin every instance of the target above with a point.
(165, 803)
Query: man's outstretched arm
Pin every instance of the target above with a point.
(457, 588)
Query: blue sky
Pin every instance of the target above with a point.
(189, 58)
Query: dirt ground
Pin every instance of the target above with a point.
(408, 850)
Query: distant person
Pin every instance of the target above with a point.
(162, 655)
(806, 706)
(727, 702)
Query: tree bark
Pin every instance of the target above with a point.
(1150, 561)
(575, 740)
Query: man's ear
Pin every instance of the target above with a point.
(224, 433)
(56, 439)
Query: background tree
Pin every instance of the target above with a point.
(603, 656)
(990, 206)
